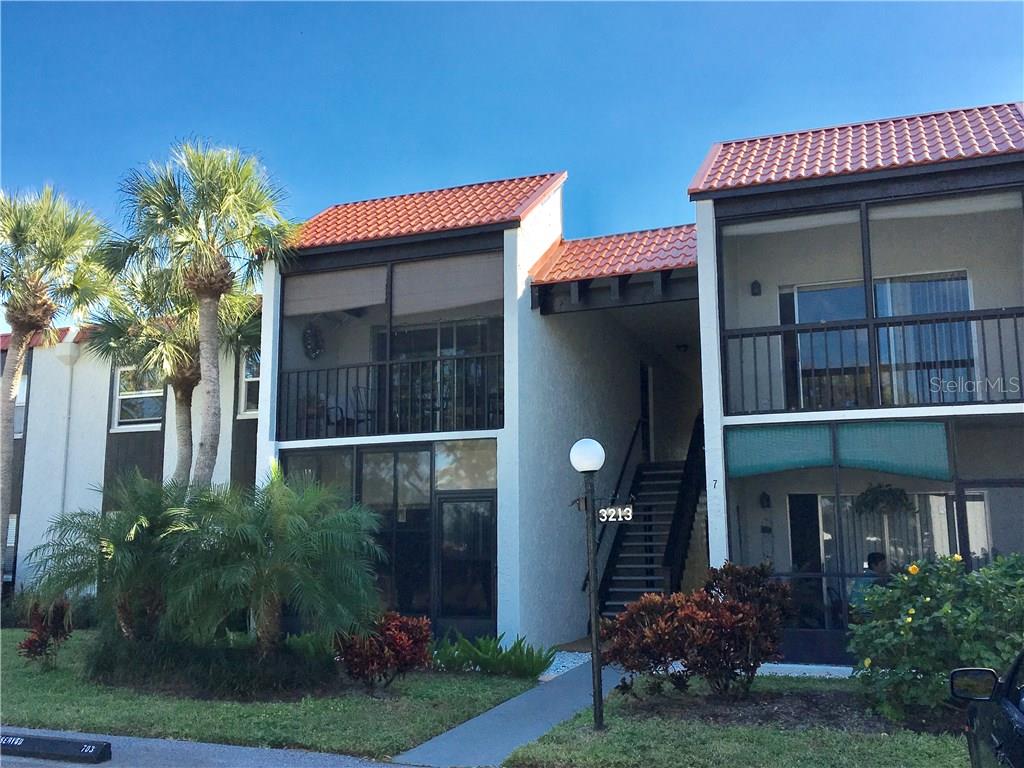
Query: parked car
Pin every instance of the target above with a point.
(995, 717)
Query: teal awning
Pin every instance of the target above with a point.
(915, 448)
(777, 448)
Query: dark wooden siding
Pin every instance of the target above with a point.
(243, 452)
(127, 451)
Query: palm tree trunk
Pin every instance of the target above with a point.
(183, 431)
(209, 368)
(268, 625)
(17, 351)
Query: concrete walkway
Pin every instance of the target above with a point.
(167, 753)
(488, 739)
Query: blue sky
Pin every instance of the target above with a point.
(345, 102)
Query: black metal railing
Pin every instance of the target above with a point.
(443, 394)
(692, 484)
(616, 492)
(935, 359)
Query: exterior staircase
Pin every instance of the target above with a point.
(640, 545)
(649, 553)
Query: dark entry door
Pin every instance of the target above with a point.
(466, 597)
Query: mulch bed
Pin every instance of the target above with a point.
(797, 711)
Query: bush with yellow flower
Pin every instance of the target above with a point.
(931, 619)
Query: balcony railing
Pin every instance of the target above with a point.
(935, 359)
(443, 394)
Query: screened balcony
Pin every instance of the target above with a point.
(927, 309)
(413, 347)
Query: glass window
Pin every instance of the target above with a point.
(822, 249)
(331, 467)
(466, 465)
(895, 500)
(140, 398)
(467, 564)
(19, 408)
(249, 395)
(975, 236)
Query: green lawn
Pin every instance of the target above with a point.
(417, 708)
(648, 734)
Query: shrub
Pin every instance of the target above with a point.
(487, 655)
(932, 619)
(48, 629)
(124, 554)
(249, 552)
(228, 668)
(397, 645)
(722, 633)
(15, 609)
(649, 637)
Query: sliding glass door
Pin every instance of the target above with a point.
(467, 562)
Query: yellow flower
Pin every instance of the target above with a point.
(909, 619)
(913, 570)
(912, 611)
(867, 662)
(927, 599)
(958, 557)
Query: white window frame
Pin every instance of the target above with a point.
(116, 425)
(243, 380)
(20, 402)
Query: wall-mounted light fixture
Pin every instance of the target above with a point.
(755, 288)
(765, 500)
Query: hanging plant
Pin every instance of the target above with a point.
(882, 498)
(313, 341)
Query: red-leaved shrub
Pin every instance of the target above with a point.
(649, 637)
(47, 629)
(721, 633)
(397, 645)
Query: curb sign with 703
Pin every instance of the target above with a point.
(615, 514)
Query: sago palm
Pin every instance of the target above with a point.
(150, 324)
(296, 543)
(212, 216)
(125, 552)
(49, 265)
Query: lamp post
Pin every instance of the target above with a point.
(587, 457)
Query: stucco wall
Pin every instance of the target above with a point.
(63, 458)
(592, 391)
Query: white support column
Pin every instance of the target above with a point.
(711, 376)
(266, 430)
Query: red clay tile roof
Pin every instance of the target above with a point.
(900, 142)
(441, 210)
(629, 253)
(37, 339)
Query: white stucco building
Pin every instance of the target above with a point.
(826, 365)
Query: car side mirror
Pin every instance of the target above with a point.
(973, 684)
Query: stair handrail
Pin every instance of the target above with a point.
(691, 485)
(614, 498)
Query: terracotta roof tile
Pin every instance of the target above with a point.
(440, 210)
(37, 339)
(629, 253)
(873, 146)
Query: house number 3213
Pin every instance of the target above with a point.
(615, 514)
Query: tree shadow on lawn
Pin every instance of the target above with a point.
(799, 709)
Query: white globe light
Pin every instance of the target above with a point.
(586, 455)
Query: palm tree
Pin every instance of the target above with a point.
(125, 553)
(49, 265)
(294, 542)
(149, 324)
(212, 216)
